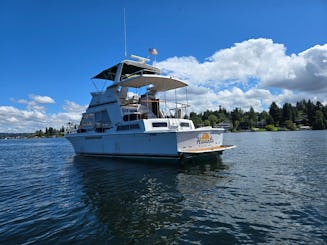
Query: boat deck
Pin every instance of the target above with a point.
(208, 149)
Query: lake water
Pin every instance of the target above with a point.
(271, 189)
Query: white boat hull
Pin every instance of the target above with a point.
(170, 144)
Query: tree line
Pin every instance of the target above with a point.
(49, 132)
(304, 114)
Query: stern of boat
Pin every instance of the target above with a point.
(201, 141)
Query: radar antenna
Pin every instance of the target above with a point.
(140, 59)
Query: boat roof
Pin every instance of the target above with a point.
(160, 83)
(129, 68)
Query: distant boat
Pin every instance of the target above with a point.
(121, 122)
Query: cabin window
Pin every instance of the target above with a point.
(87, 122)
(129, 110)
(102, 120)
(132, 117)
(128, 127)
(185, 124)
(159, 125)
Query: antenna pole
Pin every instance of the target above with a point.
(125, 45)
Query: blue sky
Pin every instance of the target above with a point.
(242, 49)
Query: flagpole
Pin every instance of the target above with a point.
(153, 52)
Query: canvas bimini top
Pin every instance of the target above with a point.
(160, 83)
(129, 68)
(135, 74)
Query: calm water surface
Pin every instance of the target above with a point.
(272, 189)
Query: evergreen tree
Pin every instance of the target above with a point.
(212, 119)
(252, 114)
(236, 117)
(51, 131)
(264, 119)
(287, 113)
(310, 109)
(276, 113)
(318, 121)
(197, 121)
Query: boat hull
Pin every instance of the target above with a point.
(170, 144)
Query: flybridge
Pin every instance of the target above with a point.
(128, 68)
(137, 74)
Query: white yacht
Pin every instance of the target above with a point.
(127, 119)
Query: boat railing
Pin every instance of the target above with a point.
(163, 109)
(179, 111)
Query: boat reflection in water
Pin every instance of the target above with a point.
(139, 201)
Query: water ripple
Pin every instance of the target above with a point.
(255, 196)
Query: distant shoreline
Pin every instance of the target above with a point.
(8, 136)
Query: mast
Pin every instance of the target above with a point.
(125, 40)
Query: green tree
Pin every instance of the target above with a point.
(51, 131)
(324, 111)
(271, 127)
(290, 125)
(275, 112)
(251, 117)
(39, 133)
(206, 122)
(318, 120)
(236, 116)
(310, 109)
(287, 113)
(252, 114)
(221, 117)
(206, 115)
(197, 121)
(265, 119)
(236, 123)
(212, 119)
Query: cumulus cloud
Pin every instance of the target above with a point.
(307, 72)
(15, 120)
(246, 74)
(35, 117)
(42, 99)
(36, 102)
(202, 98)
(253, 73)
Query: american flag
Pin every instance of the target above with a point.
(153, 51)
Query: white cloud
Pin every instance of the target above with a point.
(36, 102)
(260, 60)
(308, 72)
(31, 119)
(73, 107)
(202, 98)
(41, 99)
